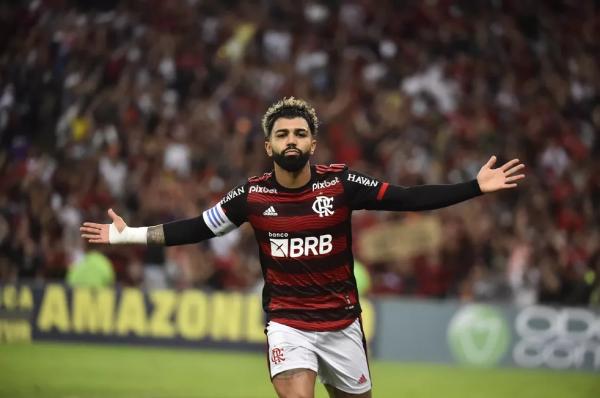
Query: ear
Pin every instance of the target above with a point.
(313, 146)
(268, 148)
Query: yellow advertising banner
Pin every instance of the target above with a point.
(173, 317)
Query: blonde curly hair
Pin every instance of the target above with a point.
(290, 107)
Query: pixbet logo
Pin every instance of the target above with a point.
(557, 338)
(323, 206)
(325, 184)
(296, 247)
(478, 335)
(259, 189)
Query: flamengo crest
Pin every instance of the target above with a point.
(277, 356)
(323, 206)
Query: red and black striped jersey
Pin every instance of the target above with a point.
(305, 242)
(305, 239)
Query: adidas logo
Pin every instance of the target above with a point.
(270, 212)
(362, 379)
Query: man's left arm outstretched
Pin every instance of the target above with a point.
(384, 196)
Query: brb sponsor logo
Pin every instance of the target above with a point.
(282, 246)
(557, 338)
(478, 335)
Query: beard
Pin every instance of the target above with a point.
(291, 163)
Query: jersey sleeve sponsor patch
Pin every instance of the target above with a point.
(363, 191)
(360, 179)
(234, 193)
(216, 219)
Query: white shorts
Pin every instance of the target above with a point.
(338, 357)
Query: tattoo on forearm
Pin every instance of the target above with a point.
(156, 235)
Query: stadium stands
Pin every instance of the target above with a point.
(153, 108)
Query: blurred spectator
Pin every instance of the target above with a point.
(93, 270)
(154, 108)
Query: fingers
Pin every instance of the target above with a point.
(491, 162)
(515, 178)
(509, 164)
(514, 169)
(113, 215)
(90, 233)
(92, 230)
(93, 238)
(92, 225)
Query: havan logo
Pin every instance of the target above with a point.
(362, 180)
(234, 193)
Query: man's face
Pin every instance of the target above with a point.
(290, 143)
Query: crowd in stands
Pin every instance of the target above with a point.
(153, 108)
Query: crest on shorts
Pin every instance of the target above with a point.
(277, 356)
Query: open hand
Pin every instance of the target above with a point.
(98, 233)
(503, 177)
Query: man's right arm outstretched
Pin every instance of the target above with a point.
(179, 232)
(223, 217)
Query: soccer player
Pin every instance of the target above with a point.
(301, 216)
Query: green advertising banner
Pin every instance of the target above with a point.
(478, 335)
(488, 335)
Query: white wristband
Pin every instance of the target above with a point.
(128, 235)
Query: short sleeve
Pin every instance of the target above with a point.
(362, 191)
(229, 213)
